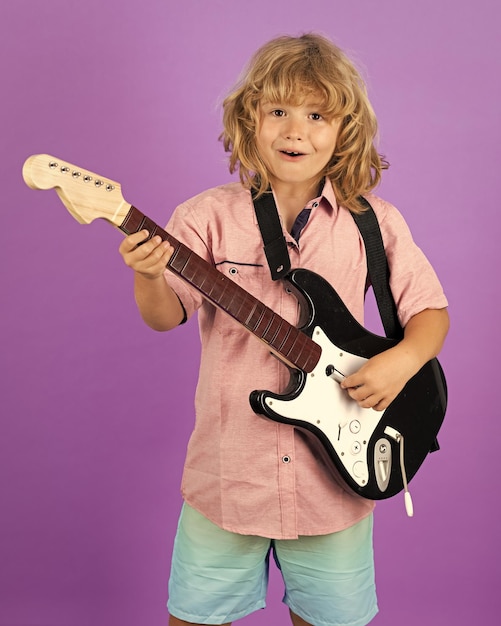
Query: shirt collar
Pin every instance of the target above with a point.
(327, 199)
(327, 196)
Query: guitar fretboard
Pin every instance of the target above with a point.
(290, 344)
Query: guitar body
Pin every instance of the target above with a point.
(354, 442)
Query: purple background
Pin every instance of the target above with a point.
(96, 409)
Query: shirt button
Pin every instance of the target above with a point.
(233, 271)
(286, 459)
(314, 205)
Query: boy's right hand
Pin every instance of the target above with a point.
(149, 259)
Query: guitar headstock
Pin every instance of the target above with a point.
(86, 195)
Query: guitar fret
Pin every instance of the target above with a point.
(255, 316)
(235, 301)
(218, 289)
(312, 358)
(231, 299)
(263, 324)
(272, 330)
(205, 278)
(282, 334)
(293, 353)
(150, 226)
(132, 222)
(218, 284)
(310, 354)
(190, 270)
(289, 342)
(296, 350)
(179, 260)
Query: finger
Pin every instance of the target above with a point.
(131, 242)
(380, 406)
(366, 403)
(351, 382)
(157, 251)
(149, 246)
(153, 260)
(373, 402)
(365, 398)
(358, 392)
(151, 253)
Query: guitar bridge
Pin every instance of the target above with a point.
(382, 463)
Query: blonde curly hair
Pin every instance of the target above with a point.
(289, 69)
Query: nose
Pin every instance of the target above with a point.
(293, 129)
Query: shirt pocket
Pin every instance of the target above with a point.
(251, 278)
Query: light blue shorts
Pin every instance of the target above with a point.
(218, 576)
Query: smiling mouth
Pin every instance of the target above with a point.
(292, 153)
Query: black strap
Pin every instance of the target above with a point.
(275, 245)
(378, 270)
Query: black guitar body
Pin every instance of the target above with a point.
(358, 445)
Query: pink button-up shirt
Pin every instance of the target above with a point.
(246, 473)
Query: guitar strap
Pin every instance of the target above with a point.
(378, 270)
(275, 246)
(277, 255)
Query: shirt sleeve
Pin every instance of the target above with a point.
(413, 281)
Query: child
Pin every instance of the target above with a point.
(300, 122)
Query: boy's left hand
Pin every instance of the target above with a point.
(379, 381)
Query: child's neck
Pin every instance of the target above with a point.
(291, 200)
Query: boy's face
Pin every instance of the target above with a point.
(295, 141)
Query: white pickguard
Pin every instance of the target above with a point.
(328, 407)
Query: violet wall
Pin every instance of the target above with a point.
(96, 409)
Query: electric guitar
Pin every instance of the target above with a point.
(363, 448)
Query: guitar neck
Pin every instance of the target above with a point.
(288, 343)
